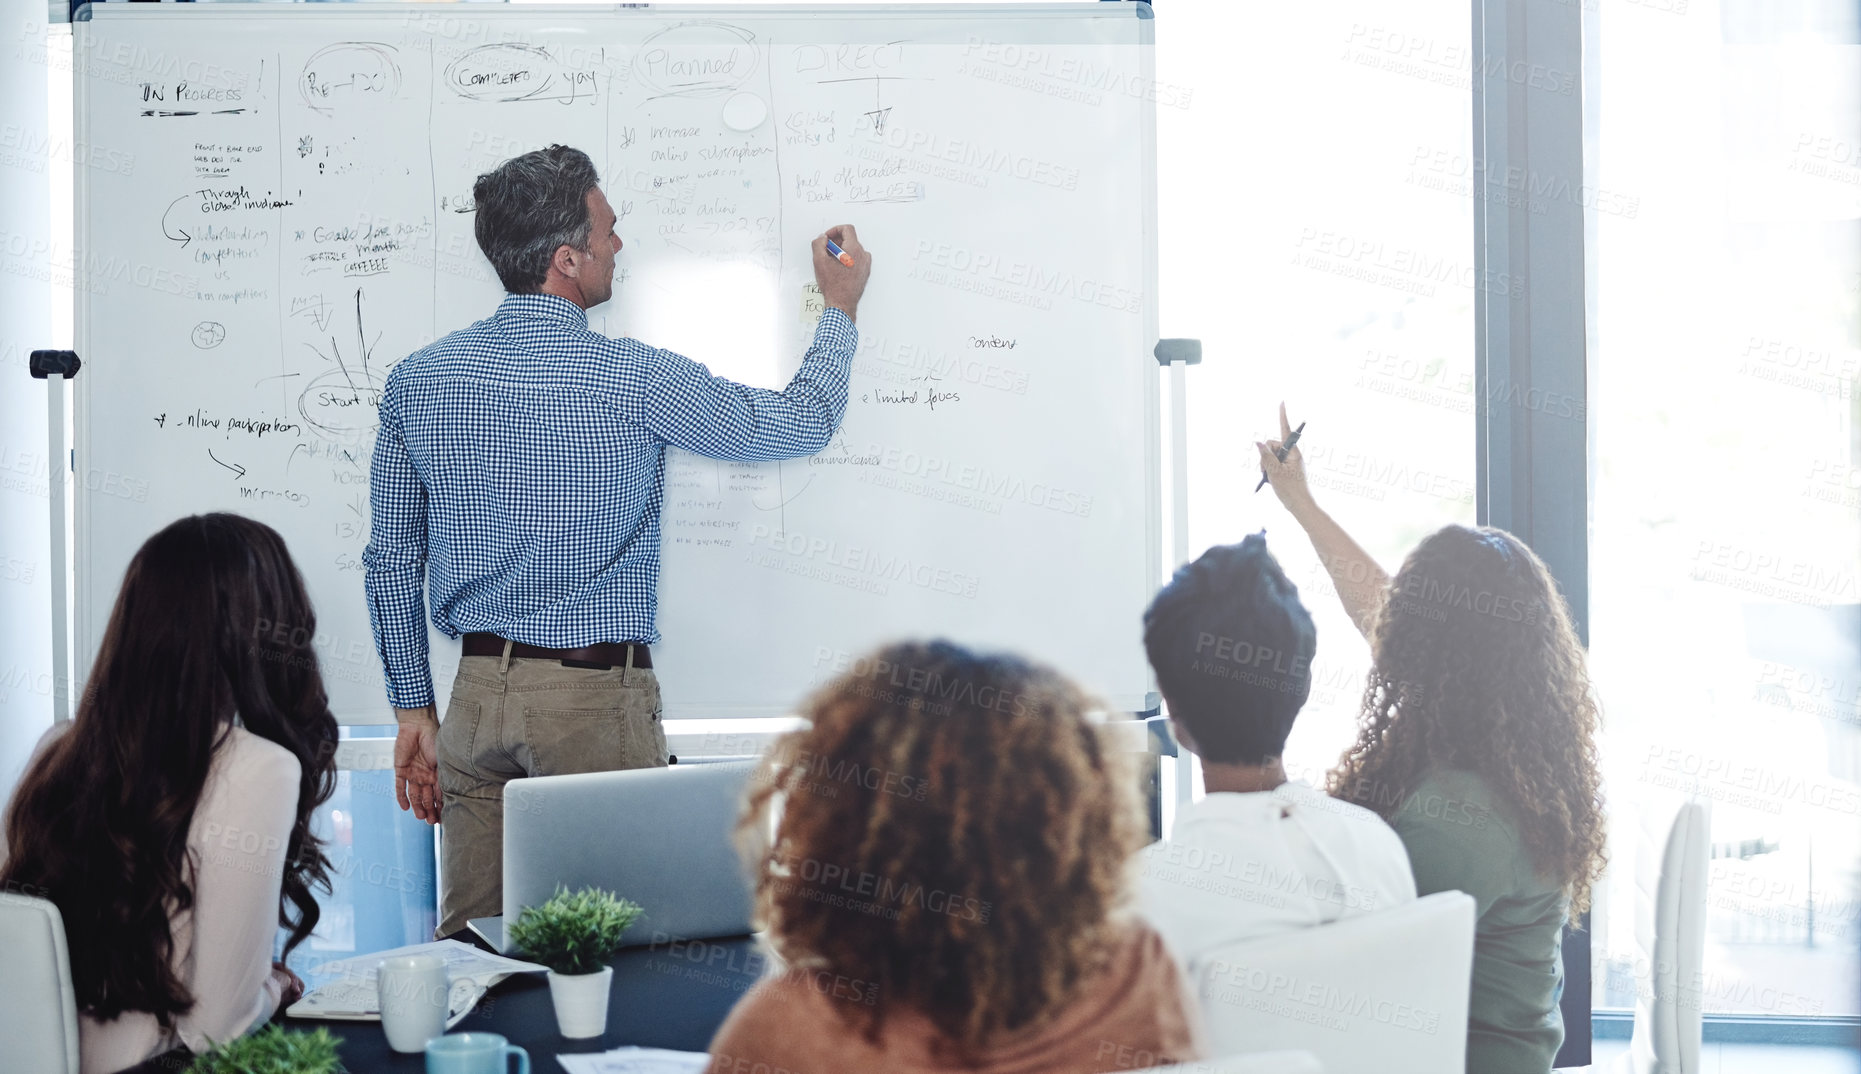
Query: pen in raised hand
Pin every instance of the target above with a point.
(1280, 453)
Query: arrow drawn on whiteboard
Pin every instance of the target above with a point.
(341, 401)
(177, 235)
(880, 111)
(238, 470)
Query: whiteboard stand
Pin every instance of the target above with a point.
(1177, 355)
(54, 368)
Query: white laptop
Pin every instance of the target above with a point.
(660, 837)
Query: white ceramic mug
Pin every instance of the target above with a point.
(414, 991)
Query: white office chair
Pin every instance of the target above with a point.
(1258, 1063)
(38, 1006)
(1671, 864)
(1385, 992)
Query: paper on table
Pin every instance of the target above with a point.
(630, 1060)
(352, 1001)
(354, 996)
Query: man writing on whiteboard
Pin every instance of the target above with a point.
(518, 473)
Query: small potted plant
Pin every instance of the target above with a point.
(573, 934)
(272, 1050)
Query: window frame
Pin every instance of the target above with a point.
(1533, 349)
(1530, 330)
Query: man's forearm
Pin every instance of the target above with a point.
(395, 567)
(426, 714)
(719, 418)
(823, 380)
(395, 604)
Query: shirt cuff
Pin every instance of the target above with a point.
(836, 332)
(412, 695)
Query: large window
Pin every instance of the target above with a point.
(383, 890)
(1316, 233)
(1726, 480)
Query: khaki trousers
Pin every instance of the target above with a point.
(509, 718)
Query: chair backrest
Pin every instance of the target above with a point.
(1258, 1063)
(38, 1006)
(1672, 860)
(1385, 991)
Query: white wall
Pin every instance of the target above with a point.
(29, 263)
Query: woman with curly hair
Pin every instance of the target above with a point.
(946, 882)
(1477, 742)
(170, 821)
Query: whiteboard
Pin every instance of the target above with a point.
(277, 208)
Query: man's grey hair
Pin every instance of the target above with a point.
(528, 208)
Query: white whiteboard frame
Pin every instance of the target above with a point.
(87, 631)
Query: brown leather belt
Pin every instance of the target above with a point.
(608, 654)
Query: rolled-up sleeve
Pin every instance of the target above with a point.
(688, 407)
(395, 560)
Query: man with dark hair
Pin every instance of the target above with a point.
(1232, 650)
(518, 473)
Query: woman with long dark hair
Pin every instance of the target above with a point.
(1477, 742)
(170, 821)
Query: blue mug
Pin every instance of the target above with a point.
(473, 1053)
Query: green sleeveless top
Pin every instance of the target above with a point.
(1460, 838)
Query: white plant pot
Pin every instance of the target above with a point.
(581, 1002)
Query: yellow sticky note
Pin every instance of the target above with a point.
(813, 304)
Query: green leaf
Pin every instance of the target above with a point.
(273, 1050)
(574, 932)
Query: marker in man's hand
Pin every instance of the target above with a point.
(845, 258)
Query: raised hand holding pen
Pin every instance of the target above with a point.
(1360, 582)
(1280, 451)
(1282, 465)
(841, 267)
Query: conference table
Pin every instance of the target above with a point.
(664, 996)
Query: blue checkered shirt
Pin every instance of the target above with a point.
(520, 466)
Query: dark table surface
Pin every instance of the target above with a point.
(669, 995)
